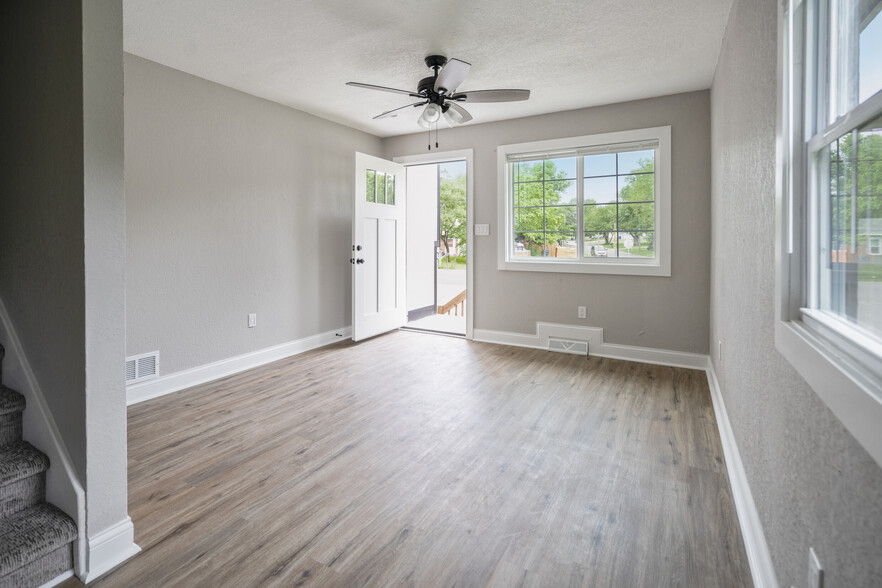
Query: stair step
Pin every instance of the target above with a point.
(10, 401)
(22, 478)
(32, 534)
(19, 461)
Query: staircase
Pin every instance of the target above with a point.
(36, 538)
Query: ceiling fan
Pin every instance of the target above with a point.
(438, 93)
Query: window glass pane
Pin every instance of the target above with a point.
(529, 219)
(390, 189)
(600, 165)
(560, 192)
(637, 217)
(530, 194)
(855, 47)
(528, 171)
(563, 168)
(637, 244)
(870, 55)
(851, 284)
(600, 190)
(371, 185)
(599, 245)
(381, 188)
(637, 188)
(636, 161)
(561, 245)
(600, 218)
(561, 219)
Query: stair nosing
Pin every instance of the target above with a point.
(19, 461)
(20, 536)
(11, 401)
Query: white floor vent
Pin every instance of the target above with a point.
(142, 367)
(568, 346)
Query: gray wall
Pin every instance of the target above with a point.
(234, 205)
(62, 229)
(42, 270)
(666, 313)
(813, 484)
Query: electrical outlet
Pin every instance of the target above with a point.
(252, 320)
(583, 312)
(816, 573)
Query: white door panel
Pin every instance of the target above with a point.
(378, 250)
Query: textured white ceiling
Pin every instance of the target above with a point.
(569, 53)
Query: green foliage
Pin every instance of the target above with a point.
(539, 188)
(453, 208)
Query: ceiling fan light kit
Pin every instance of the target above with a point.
(439, 96)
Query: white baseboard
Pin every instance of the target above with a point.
(63, 486)
(58, 579)
(226, 367)
(596, 346)
(758, 555)
(110, 548)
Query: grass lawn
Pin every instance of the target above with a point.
(454, 263)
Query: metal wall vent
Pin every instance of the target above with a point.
(142, 367)
(568, 346)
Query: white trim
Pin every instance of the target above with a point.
(758, 556)
(58, 579)
(596, 346)
(212, 371)
(109, 548)
(658, 266)
(469, 157)
(63, 486)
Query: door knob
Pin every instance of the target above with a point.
(359, 260)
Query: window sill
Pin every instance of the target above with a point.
(847, 389)
(611, 267)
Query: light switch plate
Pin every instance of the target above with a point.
(482, 229)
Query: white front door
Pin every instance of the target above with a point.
(378, 247)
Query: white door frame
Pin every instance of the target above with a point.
(443, 157)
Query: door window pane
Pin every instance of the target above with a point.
(390, 189)
(371, 185)
(381, 188)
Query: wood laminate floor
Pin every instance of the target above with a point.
(419, 460)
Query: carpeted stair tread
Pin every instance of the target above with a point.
(19, 461)
(31, 534)
(10, 401)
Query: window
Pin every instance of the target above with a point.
(380, 187)
(830, 271)
(592, 204)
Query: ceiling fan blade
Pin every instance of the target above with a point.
(392, 112)
(451, 76)
(456, 114)
(492, 96)
(384, 89)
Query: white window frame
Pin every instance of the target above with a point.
(660, 265)
(840, 363)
